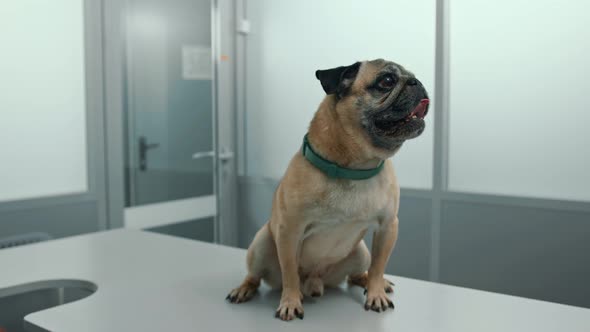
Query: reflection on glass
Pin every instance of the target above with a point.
(168, 104)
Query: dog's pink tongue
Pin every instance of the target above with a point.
(422, 108)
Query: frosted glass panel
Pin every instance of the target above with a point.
(518, 103)
(42, 99)
(290, 40)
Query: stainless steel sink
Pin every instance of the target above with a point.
(19, 301)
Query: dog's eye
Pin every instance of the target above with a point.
(386, 82)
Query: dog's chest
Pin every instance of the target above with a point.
(358, 199)
(338, 221)
(355, 204)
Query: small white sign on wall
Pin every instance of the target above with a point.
(196, 62)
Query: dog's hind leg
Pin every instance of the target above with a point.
(263, 263)
(313, 286)
(356, 263)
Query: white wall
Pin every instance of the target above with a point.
(519, 109)
(42, 99)
(292, 39)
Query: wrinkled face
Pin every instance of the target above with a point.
(386, 100)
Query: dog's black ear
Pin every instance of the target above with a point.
(337, 80)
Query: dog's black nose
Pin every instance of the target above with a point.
(412, 81)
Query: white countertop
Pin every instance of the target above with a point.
(151, 282)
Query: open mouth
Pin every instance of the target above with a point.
(417, 114)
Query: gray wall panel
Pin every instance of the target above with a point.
(56, 220)
(254, 206)
(201, 229)
(531, 252)
(411, 256)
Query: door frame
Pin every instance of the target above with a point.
(113, 111)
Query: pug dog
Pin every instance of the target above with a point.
(336, 187)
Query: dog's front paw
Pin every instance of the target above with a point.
(241, 294)
(361, 280)
(377, 299)
(289, 308)
(245, 292)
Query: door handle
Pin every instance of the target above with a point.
(203, 154)
(224, 155)
(144, 147)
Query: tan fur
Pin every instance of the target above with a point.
(314, 236)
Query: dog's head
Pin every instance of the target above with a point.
(379, 97)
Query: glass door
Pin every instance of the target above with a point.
(169, 113)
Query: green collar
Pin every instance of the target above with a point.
(332, 170)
